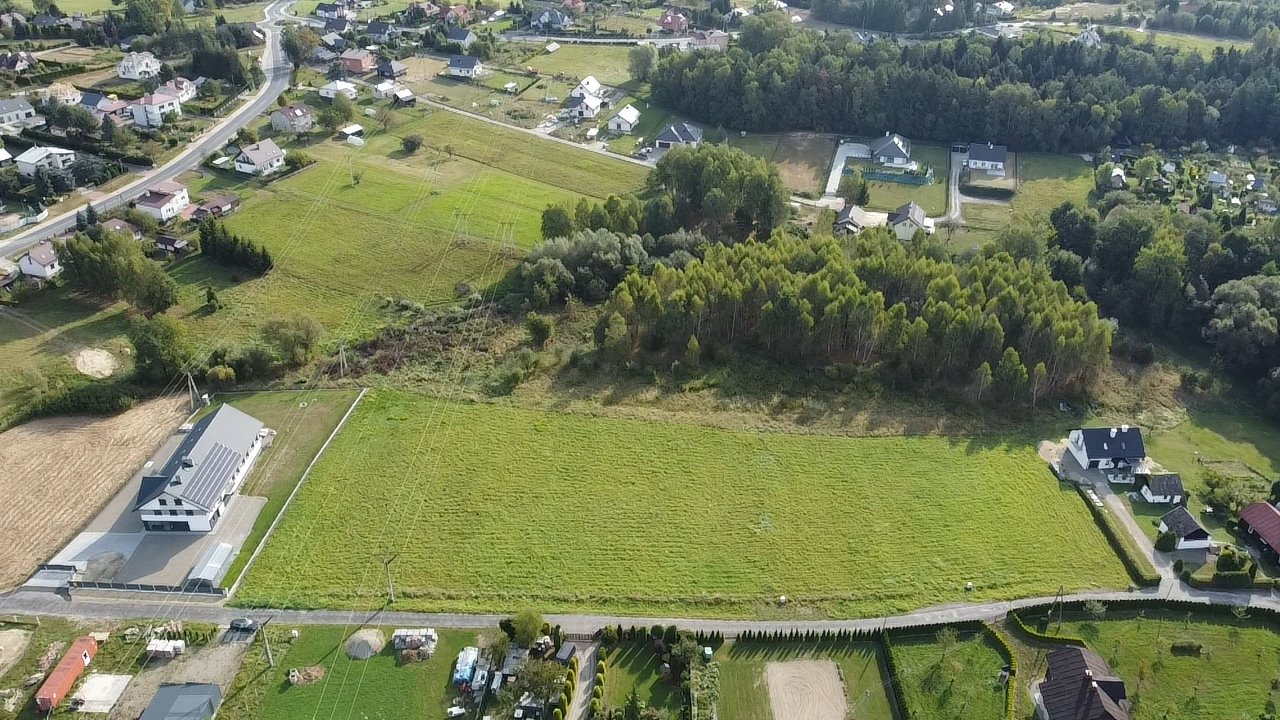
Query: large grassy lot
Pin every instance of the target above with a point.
(1232, 677)
(1045, 181)
(944, 681)
(375, 688)
(803, 159)
(608, 63)
(933, 197)
(744, 692)
(579, 513)
(635, 666)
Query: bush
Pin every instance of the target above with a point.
(1178, 565)
(597, 692)
(88, 398)
(1232, 579)
(540, 328)
(1166, 541)
(1186, 647)
(1231, 561)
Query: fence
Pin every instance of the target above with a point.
(140, 587)
(23, 221)
(900, 178)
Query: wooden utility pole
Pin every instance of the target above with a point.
(386, 565)
(266, 642)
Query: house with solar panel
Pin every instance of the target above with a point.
(190, 492)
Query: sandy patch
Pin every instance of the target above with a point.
(215, 664)
(77, 465)
(806, 690)
(13, 643)
(1051, 451)
(306, 675)
(95, 363)
(99, 692)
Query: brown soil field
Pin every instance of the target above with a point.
(60, 471)
(806, 690)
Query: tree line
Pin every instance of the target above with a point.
(228, 249)
(1034, 93)
(1224, 19)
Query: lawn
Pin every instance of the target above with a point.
(942, 682)
(608, 63)
(803, 159)
(1045, 181)
(1231, 678)
(303, 420)
(652, 120)
(933, 197)
(744, 693)
(634, 666)
(841, 526)
(374, 689)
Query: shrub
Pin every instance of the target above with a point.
(597, 692)
(1232, 579)
(1166, 541)
(1178, 565)
(540, 328)
(1231, 561)
(608, 636)
(600, 668)
(1186, 647)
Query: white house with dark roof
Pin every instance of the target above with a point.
(909, 219)
(584, 107)
(190, 492)
(1162, 489)
(1117, 450)
(164, 201)
(892, 149)
(15, 111)
(1191, 535)
(381, 31)
(260, 158)
(138, 66)
(40, 263)
(626, 120)
(465, 66)
(678, 134)
(989, 158)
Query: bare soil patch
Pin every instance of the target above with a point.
(96, 363)
(306, 675)
(806, 690)
(215, 664)
(13, 643)
(60, 471)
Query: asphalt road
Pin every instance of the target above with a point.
(276, 69)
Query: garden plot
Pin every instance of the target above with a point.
(806, 690)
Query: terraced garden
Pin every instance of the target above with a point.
(491, 507)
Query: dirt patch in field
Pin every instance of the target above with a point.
(307, 675)
(50, 656)
(216, 664)
(13, 643)
(60, 471)
(96, 363)
(806, 690)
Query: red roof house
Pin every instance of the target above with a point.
(64, 676)
(1261, 521)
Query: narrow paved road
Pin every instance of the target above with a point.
(580, 707)
(276, 70)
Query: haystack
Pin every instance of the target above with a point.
(366, 643)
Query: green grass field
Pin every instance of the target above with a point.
(608, 63)
(803, 159)
(374, 689)
(744, 693)
(1046, 181)
(841, 526)
(1232, 678)
(944, 683)
(933, 198)
(635, 666)
(981, 223)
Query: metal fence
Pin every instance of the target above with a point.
(140, 587)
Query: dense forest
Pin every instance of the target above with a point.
(1226, 19)
(1038, 93)
(897, 15)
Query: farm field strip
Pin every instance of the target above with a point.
(632, 491)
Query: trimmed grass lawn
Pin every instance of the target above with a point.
(608, 63)
(653, 119)
(981, 223)
(933, 198)
(1045, 181)
(368, 689)
(1231, 678)
(678, 518)
(744, 693)
(803, 159)
(635, 666)
(941, 683)
(1197, 44)
(300, 432)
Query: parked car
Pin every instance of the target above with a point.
(244, 625)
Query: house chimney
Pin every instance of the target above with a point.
(1113, 432)
(1124, 428)
(991, 145)
(1088, 673)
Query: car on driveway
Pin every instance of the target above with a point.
(244, 625)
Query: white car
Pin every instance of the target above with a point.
(455, 711)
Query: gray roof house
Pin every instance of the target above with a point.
(462, 36)
(190, 491)
(678, 134)
(380, 30)
(188, 701)
(1079, 685)
(392, 69)
(909, 219)
(891, 149)
(1183, 525)
(852, 220)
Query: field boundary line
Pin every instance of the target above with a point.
(231, 592)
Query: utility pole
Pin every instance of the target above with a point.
(194, 392)
(342, 359)
(386, 565)
(266, 642)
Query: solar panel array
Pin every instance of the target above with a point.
(210, 476)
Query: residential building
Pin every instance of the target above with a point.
(626, 120)
(552, 19)
(40, 263)
(1000, 9)
(673, 20)
(190, 491)
(465, 66)
(163, 201)
(892, 150)
(16, 111)
(101, 105)
(186, 701)
(460, 35)
(1118, 449)
(404, 97)
(574, 6)
(217, 206)
(44, 158)
(1261, 523)
(588, 86)
(116, 225)
(338, 87)
(381, 31)
(6, 159)
(1162, 489)
(261, 158)
(852, 220)
(333, 10)
(1079, 685)
(63, 94)
(457, 15)
(358, 61)
(417, 12)
(20, 61)
(138, 66)
(337, 26)
(1190, 535)
(678, 134)
(584, 107)
(66, 673)
(989, 158)
(1267, 206)
(151, 109)
(1118, 180)
(709, 40)
(294, 118)
(384, 89)
(9, 19)
(1217, 178)
(171, 243)
(393, 69)
(908, 220)
(179, 87)
(44, 21)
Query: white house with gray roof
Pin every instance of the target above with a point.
(261, 158)
(15, 111)
(190, 492)
(892, 149)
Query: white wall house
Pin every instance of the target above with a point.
(338, 87)
(465, 66)
(40, 262)
(1163, 489)
(151, 109)
(892, 150)
(15, 111)
(588, 86)
(1116, 451)
(626, 120)
(138, 66)
(44, 158)
(190, 492)
(1191, 536)
(263, 158)
(584, 106)
(164, 201)
(989, 158)
(908, 220)
(179, 87)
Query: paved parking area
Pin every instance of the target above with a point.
(167, 558)
(99, 692)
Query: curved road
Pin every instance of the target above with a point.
(276, 69)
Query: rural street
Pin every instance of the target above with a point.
(276, 69)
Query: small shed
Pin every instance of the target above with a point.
(566, 652)
(352, 130)
(211, 567)
(415, 639)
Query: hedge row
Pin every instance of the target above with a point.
(1140, 569)
(986, 191)
(49, 76)
(1031, 632)
(1010, 688)
(1233, 580)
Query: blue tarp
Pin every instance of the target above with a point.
(465, 665)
